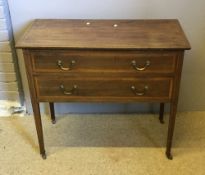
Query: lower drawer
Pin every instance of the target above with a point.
(61, 89)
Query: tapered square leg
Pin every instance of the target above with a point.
(52, 111)
(173, 110)
(161, 113)
(35, 103)
(39, 129)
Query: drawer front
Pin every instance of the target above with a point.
(103, 61)
(66, 88)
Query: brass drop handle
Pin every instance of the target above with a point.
(60, 65)
(68, 92)
(141, 92)
(134, 64)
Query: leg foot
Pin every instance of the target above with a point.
(53, 121)
(43, 155)
(169, 156)
(161, 121)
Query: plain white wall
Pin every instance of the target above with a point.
(190, 13)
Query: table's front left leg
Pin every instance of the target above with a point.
(34, 101)
(39, 129)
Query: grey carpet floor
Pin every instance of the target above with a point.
(97, 144)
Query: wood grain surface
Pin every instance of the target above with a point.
(104, 34)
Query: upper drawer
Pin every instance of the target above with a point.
(103, 61)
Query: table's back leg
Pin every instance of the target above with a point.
(52, 111)
(161, 113)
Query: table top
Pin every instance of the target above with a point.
(104, 34)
